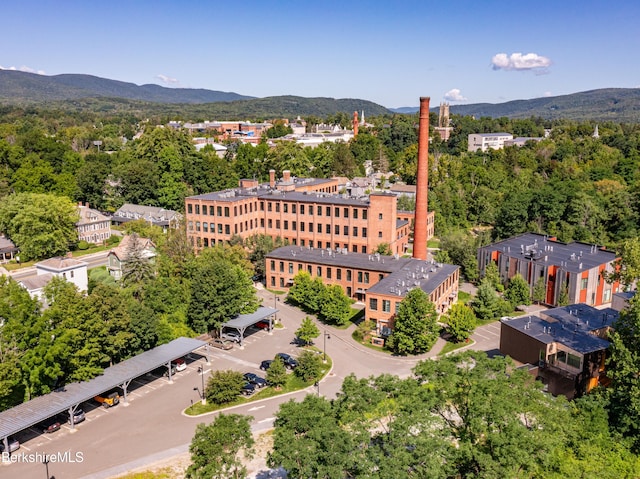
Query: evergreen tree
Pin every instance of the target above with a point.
(517, 292)
(486, 304)
(277, 373)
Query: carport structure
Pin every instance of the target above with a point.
(69, 397)
(241, 322)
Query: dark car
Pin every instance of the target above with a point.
(255, 380)
(257, 278)
(262, 325)
(264, 365)
(50, 426)
(248, 389)
(221, 344)
(288, 361)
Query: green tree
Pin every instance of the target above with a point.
(486, 304)
(309, 366)
(460, 321)
(224, 386)
(517, 291)
(415, 328)
(335, 306)
(217, 450)
(307, 330)
(384, 249)
(493, 275)
(277, 373)
(563, 297)
(41, 225)
(138, 267)
(539, 291)
(259, 247)
(278, 130)
(627, 266)
(462, 248)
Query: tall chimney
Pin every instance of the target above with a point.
(422, 184)
(286, 176)
(272, 178)
(355, 123)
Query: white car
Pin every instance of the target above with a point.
(232, 336)
(180, 364)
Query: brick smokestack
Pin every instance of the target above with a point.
(422, 184)
(355, 124)
(272, 178)
(286, 176)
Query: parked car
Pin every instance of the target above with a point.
(248, 389)
(262, 325)
(221, 344)
(14, 445)
(288, 361)
(232, 336)
(50, 426)
(180, 364)
(174, 369)
(264, 365)
(255, 380)
(257, 278)
(109, 399)
(78, 416)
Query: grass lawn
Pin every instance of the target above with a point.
(464, 297)
(449, 346)
(357, 315)
(13, 266)
(294, 383)
(166, 473)
(433, 243)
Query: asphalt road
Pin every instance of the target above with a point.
(152, 426)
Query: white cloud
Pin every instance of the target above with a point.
(518, 61)
(547, 94)
(168, 80)
(454, 95)
(23, 68)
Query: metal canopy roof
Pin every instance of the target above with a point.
(243, 321)
(41, 408)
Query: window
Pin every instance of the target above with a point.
(235, 210)
(226, 211)
(355, 214)
(311, 210)
(269, 207)
(336, 212)
(211, 212)
(355, 231)
(189, 208)
(277, 207)
(336, 229)
(355, 248)
(282, 282)
(364, 214)
(294, 209)
(286, 224)
(397, 305)
(277, 224)
(219, 210)
(345, 213)
(328, 273)
(345, 230)
(366, 278)
(301, 226)
(270, 223)
(281, 266)
(379, 234)
(349, 276)
(573, 361)
(364, 232)
(349, 293)
(261, 222)
(299, 267)
(205, 226)
(301, 209)
(190, 224)
(607, 295)
(364, 249)
(379, 216)
(309, 268)
(285, 208)
(206, 242)
(227, 229)
(294, 226)
(273, 280)
(319, 228)
(290, 268)
(204, 209)
(359, 276)
(262, 206)
(197, 209)
(338, 274)
(273, 265)
(386, 305)
(219, 228)
(583, 283)
(319, 210)
(319, 271)
(373, 304)
(328, 211)
(327, 229)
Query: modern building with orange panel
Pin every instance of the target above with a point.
(303, 211)
(576, 268)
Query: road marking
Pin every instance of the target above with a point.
(256, 408)
(483, 337)
(238, 361)
(269, 419)
(206, 371)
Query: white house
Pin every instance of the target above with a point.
(484, 141)
(70, 269)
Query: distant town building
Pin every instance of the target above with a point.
(93, 226)
(522, 140)
(70, 269)
(151, 214)
(575, 269)
(119, 255)
(444, 129)
(484, 141)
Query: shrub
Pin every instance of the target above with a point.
(224, 386)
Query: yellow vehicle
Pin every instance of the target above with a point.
(109, 399)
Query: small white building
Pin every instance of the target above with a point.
(484, 141)
(70, 269)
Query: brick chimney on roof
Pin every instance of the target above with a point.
(422, 184)
(272, 178)
(355, 124)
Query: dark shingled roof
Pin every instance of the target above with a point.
(38, 409)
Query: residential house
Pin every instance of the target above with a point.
(8, 250)
(93, 226)
(151, 214)
(72, 270)
(118, 256)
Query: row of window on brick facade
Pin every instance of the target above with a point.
(386, 305)
(199, 242)
(225, 211)
(362, 276)
(294, 225)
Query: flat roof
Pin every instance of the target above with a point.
(426, 275)
(41, 408)
(245, 320)
(538, 248)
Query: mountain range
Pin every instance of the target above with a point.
(89, 92)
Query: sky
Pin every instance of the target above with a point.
(389, 52)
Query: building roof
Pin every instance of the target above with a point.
(572, 257)
(148, 213)
(404, 273)
(548, 332)
(89, 215)
(501, 133)
(59, 264)
(121, 251)
(582, 317)
(398, 188)
(243, 321)
(38, 409)
(6, 245)
(34, 283)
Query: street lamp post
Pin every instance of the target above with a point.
(324, 346)
(202, 395)
(45, 461)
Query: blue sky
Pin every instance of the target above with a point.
(389, 52)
